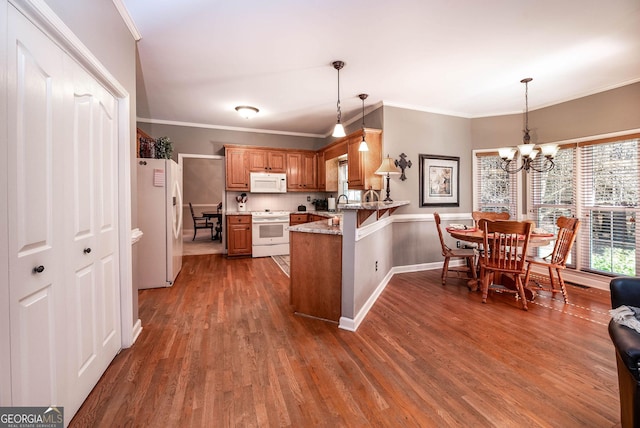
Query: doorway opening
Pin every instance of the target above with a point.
(203, 187)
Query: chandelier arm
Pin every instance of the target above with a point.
(547, 166)
(504, 164)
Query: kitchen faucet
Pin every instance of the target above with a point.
(346, 199)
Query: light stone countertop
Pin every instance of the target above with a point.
(321, 226)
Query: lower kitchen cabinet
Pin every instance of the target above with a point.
(316, 275)
(238, 235)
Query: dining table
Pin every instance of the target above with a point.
(474, 235)
(210, 215)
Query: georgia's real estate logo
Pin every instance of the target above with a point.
(32, 417)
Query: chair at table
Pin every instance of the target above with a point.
(506, 243)
(554, 262)
(219, 222)
(469, 255)
(488, 215)
(200, 223)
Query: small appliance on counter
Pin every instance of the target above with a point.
(302, 207)
(320, 204)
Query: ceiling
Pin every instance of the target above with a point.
(198, 59)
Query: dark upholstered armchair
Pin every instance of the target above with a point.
(626, 291)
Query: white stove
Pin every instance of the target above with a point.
(270, 234)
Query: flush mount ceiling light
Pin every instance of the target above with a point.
(363, 144)
(527, 150)
(247, 111)
(338, 130)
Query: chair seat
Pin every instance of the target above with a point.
(463, 252)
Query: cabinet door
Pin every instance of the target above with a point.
(277, 162)
(258, 161)
(356, 164)
(309, 172)
(322, 172)
(239, 235)
(294, 171)
(237, 166)
(267, 161)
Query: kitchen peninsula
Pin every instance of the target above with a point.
(337, 272)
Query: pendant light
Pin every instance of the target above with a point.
(363, 144)
(338, 130)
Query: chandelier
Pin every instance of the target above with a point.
(528, 151)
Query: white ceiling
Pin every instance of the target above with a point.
(201, 58)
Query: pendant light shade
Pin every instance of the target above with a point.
(338, 130)
(363, 144)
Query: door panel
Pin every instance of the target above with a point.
(34, 90)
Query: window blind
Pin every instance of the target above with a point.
(553, 195)
(608, 202)
(495, 189)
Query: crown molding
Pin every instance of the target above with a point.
(128, 20)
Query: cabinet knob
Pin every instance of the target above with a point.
(87, 250)
(38, 269)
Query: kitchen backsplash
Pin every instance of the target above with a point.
(276, 201)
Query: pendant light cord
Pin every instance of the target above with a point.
(338, 104)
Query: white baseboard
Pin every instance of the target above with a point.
(137, 329)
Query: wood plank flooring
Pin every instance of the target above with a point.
(221, 348)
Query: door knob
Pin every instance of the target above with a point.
(87, 250)
(38, 269)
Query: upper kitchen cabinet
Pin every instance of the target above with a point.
(237, 168)
(362, 165)
(267, 161)
(302, 171)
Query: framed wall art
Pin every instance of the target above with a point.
(439, 181)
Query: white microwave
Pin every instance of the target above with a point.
(263, 182)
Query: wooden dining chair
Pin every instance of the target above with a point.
(555, 262)
(489, 215)
(200, 223)
(506, 243)
(468, 254)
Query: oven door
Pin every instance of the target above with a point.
(270, 233)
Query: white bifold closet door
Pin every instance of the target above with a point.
(63, 205)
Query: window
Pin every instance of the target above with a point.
(495, 189)
(596, 181)
(609, 199)
(553, 195)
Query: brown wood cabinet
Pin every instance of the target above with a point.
(316, 275)
(307, 170)
(362, 165)
(298, 219)
(237, 169)
(302, 171)
(267, 161)
(238, 235)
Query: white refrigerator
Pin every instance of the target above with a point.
(160, 220)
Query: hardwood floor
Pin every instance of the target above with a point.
(222, 348)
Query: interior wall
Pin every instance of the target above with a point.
(413, 133)
(207, 141)
(607, 112)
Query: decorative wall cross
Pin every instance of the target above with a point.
(402, 164)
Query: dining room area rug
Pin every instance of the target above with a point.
(283, 262)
